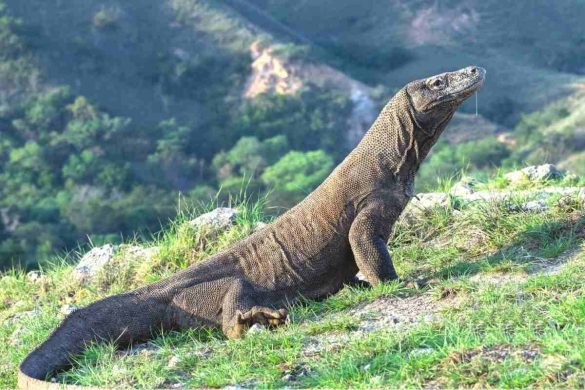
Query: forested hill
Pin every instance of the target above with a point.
(113, 113)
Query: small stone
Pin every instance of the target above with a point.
(260, 225)
(542, 172)
(34, 276)
(461, 189)
(173, 362)
(367, 367)
(93, 261)
(516, 177)
(534, 206)
(421, 351)
(361, 277)
(534, 173)
(138, 253)
(257, 328)
(68, 309)
(215, 221)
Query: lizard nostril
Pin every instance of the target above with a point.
(473, 70)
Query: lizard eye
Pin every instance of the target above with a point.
(436, 83)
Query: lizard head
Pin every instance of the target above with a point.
(435, 99)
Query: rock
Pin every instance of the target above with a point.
(462, 188)
(144, 349)
(93, 261)
(535, 206)
(173, 362)
(425, 201)
(138, 253)
(534, 173)
(421, 352)
(68, 309)
(216, 220)
(256, 328)
(516, 177)
(431, 199)
(23, 315)
(361, 277)
(259, 226)
(34, 276)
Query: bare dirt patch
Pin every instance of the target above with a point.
(497, 353)
(395, 312)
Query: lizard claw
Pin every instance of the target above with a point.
(264, 316)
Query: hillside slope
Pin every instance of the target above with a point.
(496, 299)
(532, 50)
(117, 109)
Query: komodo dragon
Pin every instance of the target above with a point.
(311, 251)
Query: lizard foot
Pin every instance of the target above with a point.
(264, 316)
(256, 315)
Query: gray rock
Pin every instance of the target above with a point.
(535, 206)
(138, 253)
(260, 225)
(144, 349)
(361, 277)
(430, 200)
(534, 173)
(581, 195)
(173, 362)
(216, 220)
(93, 261)
(24, 315)
(462, 189)
(34, 276)
(68, 309)
(257, 328)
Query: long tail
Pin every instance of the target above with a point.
(122, 319)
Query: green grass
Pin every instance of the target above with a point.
(523, 331)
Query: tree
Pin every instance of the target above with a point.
(298, 173)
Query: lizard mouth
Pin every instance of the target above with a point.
(471, 86)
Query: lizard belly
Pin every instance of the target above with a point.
(315, 255)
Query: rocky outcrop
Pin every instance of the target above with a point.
(276, 73)
(101, 257)
(93, 261)
(534, 173)
(536, 200)
(215, 221)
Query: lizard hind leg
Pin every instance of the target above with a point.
(240, 311)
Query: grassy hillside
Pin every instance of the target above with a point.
(498, 301)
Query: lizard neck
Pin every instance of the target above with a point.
(390, 153)
(396, 143)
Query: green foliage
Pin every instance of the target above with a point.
(310, 120)
(448, 161)
(249, 156)
(298, 173)
(103, 122)
(551, 134)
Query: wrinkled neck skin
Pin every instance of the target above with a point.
(397, 142)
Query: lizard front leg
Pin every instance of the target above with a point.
(368, 235)
(240, 310)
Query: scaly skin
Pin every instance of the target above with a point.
(312, 250)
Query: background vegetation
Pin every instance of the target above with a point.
(110, 112)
